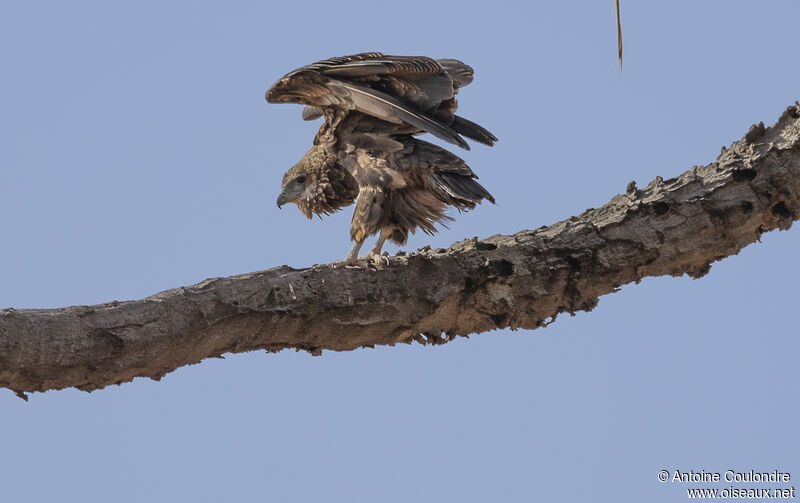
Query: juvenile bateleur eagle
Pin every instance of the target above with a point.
(367, 152)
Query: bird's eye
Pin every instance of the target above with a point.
(300, 179)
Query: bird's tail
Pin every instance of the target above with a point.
(463, 192)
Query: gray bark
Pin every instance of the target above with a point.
(676, 226)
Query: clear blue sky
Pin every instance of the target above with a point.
(137, 154)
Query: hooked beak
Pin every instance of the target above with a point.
(289, 194)
(282, 199)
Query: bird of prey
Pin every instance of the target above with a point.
(366, 151)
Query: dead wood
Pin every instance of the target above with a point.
(676, 226)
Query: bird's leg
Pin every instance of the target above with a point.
(352, 256)
(374, 254)
(353, 253)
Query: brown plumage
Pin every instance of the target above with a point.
(327, 186)
(366, 151)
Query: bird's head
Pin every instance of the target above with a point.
(318, 184)
(298, 186)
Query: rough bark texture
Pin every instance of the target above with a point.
(674, 226)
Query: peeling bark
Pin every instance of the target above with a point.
(676, 226)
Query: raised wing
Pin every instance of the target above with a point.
(375, 63)
(414, 90)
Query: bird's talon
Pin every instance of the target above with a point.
(359, 263)
(376, 259)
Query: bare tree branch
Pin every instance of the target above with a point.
(674, 226)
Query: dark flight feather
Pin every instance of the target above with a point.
(461, 74)
(406, 66)
(471, 130)
(382, 106)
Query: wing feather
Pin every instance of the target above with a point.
(407, 66)
(385, 107)
(461, 73)
(471, 130)
(310, 112)
(410, 93)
